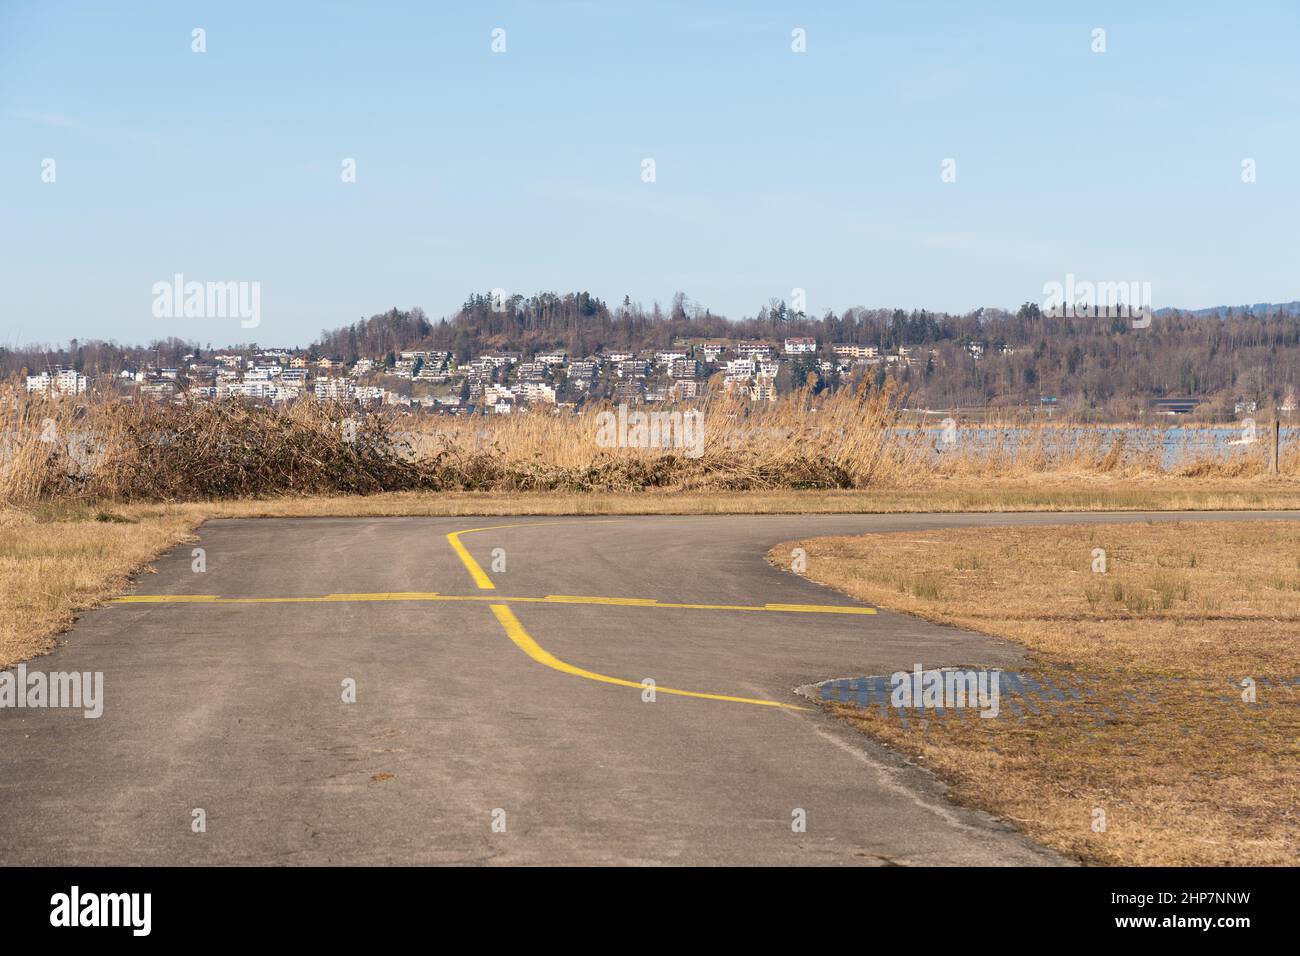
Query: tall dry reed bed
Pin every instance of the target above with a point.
(120, 450)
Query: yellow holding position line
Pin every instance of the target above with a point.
(524, 641)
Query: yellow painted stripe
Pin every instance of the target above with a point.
(651, 602)
(386, 596)
(818, 609)
(311, 599)
(477, 573)
(475, 569)
(166, 599)
(580, 599)
(524, 641)
(435, 596)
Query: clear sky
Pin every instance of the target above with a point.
(522, 170)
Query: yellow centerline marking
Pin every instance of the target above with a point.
(475, 571)
(524, 641)
(435, 596)
(514, 630)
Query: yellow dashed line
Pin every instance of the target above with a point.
(524, 641)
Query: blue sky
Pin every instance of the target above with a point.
(522, 170)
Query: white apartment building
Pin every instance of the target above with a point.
(686, 388)
(537, 392)
(263, 389)
(333, 389)
(684, 368)
(65, 381)
(493, 393)
(741, 368)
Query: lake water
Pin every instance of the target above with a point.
(1176, 443)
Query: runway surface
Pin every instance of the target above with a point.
(502, 709)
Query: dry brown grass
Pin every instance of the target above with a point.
(49, 570)
(1185, 771)
(111, 450)
(123, 451)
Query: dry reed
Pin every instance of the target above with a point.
(114, 450)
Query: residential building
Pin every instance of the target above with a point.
(857, 352)
(158, 390)
(333, 389)
(537, 392)
(741, 368)
(64, 381)
(686, 388)
(684, 368)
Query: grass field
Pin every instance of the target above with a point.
(1183, 769)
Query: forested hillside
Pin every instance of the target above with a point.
(988, 356)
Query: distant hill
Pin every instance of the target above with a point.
(990, 356)
(1260, 309)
